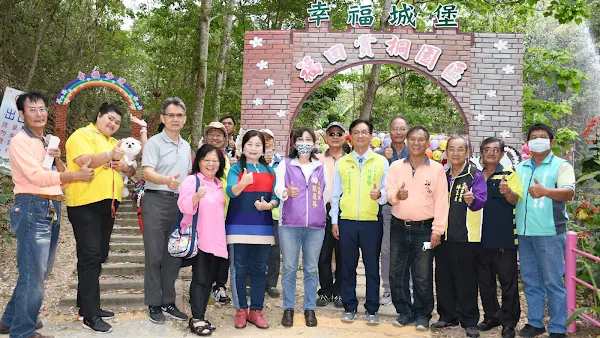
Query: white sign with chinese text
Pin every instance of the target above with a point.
(10, 122)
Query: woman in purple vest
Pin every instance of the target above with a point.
(301, 185)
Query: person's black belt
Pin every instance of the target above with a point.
(162, 192)
(410, 223)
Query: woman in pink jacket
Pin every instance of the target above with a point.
(209, 201)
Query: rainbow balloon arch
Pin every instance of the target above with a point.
(94, 79)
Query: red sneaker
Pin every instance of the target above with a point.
(256, 317)
(241, 316)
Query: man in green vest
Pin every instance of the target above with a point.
(358, 191)
(548, 184)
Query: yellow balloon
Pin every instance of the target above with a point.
(376, 141)
(437, 155)
(443, 144)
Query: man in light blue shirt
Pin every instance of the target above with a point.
(358, 191)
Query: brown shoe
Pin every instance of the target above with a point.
(37, 335)
(6, 330)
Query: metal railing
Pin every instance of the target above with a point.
(571, 279)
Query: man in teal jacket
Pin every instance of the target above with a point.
(548, 183)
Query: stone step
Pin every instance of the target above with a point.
(111, 284)
(119, 238)
(125, 230)
(129, 257)
(127, 222)
(126, 247)
(113, 301)
(126, 215)
(123, 269)
(126, 207)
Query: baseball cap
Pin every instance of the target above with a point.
(336, 124)
(268, 132)
(215, 125)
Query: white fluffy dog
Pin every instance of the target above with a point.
(132, 148)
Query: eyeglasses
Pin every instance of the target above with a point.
(215, 135)
(398, 129)
(172, 116)
(210, 161)
(332, 134)
(361, 132)
(491, 150)
(41, 110)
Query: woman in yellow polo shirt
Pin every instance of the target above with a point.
(91, 206)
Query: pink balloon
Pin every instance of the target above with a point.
(526, 149)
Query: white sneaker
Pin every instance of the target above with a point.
(386, 299)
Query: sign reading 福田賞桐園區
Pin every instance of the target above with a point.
(480, 72)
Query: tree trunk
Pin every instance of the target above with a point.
(373, 85)
(205, 10)
(223, 54)
(43, 26)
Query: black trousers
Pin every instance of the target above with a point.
(92, 226)
(329, 287)
(501, 263)
(456, 283)
(274, 259)
(204, 273)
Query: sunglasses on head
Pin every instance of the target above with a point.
(332, 134)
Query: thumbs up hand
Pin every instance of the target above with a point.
(504, 189)
(537, 190)
(402, 193)
(117, 153)
(247, 178)
(85, 173)
(292, 191)
(389, 152)
(263, 205)
(201, 190)
(468, 196)
(375, 192)
(173, 182)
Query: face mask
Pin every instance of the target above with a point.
(304, 149)
(539, 145)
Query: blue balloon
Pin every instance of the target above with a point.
(434, 144)
(386, 142)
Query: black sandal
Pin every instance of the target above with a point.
(200, 330)
(210, 326)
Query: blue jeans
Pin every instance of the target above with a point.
(408, 258)
(253, 259)
(37, 237)
(542, 261)
(290, 241)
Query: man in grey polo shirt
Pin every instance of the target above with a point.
(166, 162)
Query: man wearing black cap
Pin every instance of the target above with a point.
(335, 137)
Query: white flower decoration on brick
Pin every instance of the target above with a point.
(505, 134)
(509, 69)
(491, 93)
(262, 64)
(258, 102)
(269, 82)
(501, 45)
(256, 42)
(476, 160)
(281, 113)
(480, 117)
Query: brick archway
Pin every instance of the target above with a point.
(95, 79)
(488, 93)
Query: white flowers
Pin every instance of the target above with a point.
(262, 64)
(501, 45)
(480, 117)
(491, 93)
(508, 69)
(269, 82)
(281, 113)
(505, 134)
(258, 102)
(256, 42)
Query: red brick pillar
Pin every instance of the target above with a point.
(60, 123)
(135, 129)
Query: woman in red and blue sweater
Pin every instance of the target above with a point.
(249, 226)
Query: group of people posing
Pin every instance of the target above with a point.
(248, 205)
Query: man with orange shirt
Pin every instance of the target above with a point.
(35, 217)
(418, 192)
